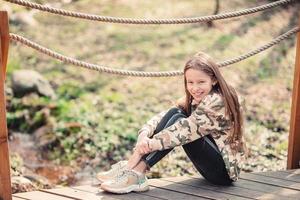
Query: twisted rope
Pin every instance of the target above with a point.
(147, 21)
(99, 68)
(260, 49)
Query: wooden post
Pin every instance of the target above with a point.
(293, 160)
(5, 182)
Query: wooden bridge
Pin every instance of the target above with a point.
(267, 185)
(264, 185)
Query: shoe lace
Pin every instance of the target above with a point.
(120, 176)
(124, 174)
(119, 169)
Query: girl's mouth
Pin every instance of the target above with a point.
(198, 94)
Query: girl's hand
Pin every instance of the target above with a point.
(143, 146)
(141, 136)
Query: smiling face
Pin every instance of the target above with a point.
(198, 83)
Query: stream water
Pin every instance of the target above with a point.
(37, 167)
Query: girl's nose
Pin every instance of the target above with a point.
(195, 88)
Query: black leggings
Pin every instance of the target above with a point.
(203, 152)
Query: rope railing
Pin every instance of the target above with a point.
(260, 49)
(104, 69)
(147, 21)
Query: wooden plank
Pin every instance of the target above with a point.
(243, 187)
(191, 189)
(176, 188)
(164, 193)
(153, 193)
(77, 194)
(271, 181)
(4, 33)
(268, 190)
(18, 198)
(294, 135)
(131, 196)
(293, 171)
(202, 183)
(5, 186)
(38, 195)
(281, 175)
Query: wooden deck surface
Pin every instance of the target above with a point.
(263, 185)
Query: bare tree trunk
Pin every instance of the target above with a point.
(217, 8)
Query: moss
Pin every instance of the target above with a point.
(223, 42)
(265, 70)
(70, 90)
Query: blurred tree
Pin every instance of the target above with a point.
(217, 8)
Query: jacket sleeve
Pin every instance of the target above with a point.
(152, 123)
(208, 118)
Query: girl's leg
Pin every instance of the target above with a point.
(207, 159)
(204, 153)
(149, 160)
(170, 118)
(134, 160)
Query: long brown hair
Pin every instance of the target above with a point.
(205, 63)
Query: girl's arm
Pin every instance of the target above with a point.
(208, 118)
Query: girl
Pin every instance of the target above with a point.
(207, 123)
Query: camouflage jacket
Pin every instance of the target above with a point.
(207, 117)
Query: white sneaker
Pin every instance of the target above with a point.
(125, 182)
(113, 172)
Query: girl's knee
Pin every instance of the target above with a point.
(176, 110)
